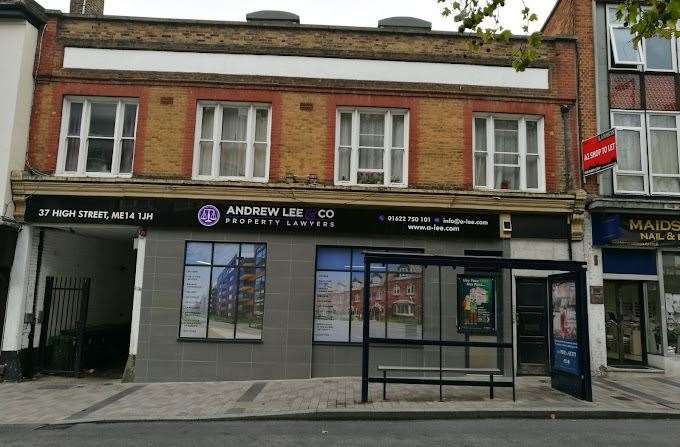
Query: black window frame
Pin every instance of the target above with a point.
(212, 266)
(351, 272)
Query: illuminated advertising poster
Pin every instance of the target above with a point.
(476, 305)
(331, 314)
(195, 296)
(565, 343)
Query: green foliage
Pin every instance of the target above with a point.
(646, 18)
(649, 18)
(474, 14)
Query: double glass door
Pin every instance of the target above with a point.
(625, 323)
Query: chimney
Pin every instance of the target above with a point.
(87, 7)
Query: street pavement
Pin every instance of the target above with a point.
(52, 400)
(468, 433)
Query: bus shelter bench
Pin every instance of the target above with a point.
(491, 372)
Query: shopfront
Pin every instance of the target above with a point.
(238, 291)
(641, 277)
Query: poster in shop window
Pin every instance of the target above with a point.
(476, 305)
(195, 296)
(564, 327)
(331, 314)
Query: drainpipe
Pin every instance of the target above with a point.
(568, 182)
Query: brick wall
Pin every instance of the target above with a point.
(575, 18)
(304, 115)
(561, 21)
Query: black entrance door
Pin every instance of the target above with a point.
(532, 327)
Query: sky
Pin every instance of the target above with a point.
(317, 12)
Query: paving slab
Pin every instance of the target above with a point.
(51, 400)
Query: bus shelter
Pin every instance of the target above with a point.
(449, 321)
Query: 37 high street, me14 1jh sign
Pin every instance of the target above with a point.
(149, 212)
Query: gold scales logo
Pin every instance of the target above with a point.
(656, 230)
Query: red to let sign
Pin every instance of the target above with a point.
(599, 152)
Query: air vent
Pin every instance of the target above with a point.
(411, 23)
(273, 17)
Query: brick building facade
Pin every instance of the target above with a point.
(630, 237)
(198, 138)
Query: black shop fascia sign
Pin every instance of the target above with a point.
(259, 216)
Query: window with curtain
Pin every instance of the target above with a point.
(232, 142)
(508, 153)
(223, 291)
(372, 147)
(663, 153)
(648, 153)
(631, 170)
(97, 137)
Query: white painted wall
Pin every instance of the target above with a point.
(137, 296)
(18, 41)
(596, 321)
(15, 330)
(304, 67)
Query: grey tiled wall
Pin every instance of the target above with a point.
(286, 350)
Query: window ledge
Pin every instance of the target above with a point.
(212, 340)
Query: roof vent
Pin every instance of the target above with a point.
(273, 17)
(412, 23)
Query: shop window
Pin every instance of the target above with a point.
(508, 153)
(97, 137)
(671, 279)
(653, 323)
(648, 153)
(232, 142)
(371, 147)
(339, 297)
(223, 292)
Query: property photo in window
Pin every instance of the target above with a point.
(396, 307)
(223, 291)
(371, 147)
(97, 137)
(232, 142)
(508, 153)
(648, 152)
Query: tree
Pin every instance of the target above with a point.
(649, 18)
(646, 18)
(482, 17)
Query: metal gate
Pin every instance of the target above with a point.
(63, 325)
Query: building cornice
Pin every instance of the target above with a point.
(634, 205)
(571, 205)
(23, 9)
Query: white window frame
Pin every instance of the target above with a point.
(643, 152)
(522, 151)
(674, 58)
(642, 65)
(87, 101)
(387, 147)
(217, 139)
(649, 129)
